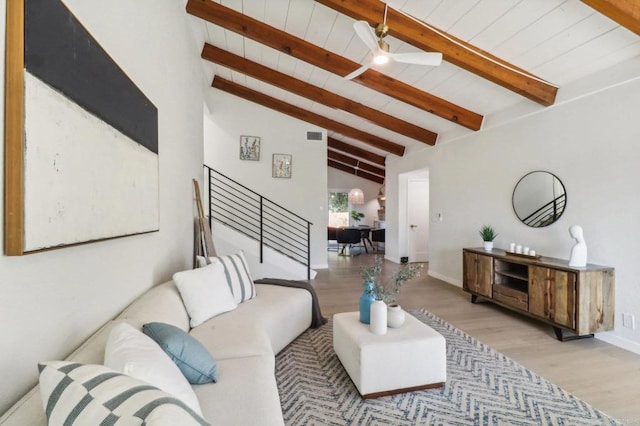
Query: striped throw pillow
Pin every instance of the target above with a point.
(82, 394)
(237, 273)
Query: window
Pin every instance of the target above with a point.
(338, 209)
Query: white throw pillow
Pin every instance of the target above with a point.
(205, 292)
(81, 394)
(237, 274)
(131, 352)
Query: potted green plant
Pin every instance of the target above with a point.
(488, 234)
(356, 216)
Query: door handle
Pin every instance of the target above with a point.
(413, 226)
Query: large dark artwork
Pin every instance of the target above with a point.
(84, 159)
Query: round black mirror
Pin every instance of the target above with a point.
(539, 199)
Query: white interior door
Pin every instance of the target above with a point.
(418, 220)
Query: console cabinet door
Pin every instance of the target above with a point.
(478, 273)
(552, 295)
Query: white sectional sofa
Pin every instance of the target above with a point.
(243, 342)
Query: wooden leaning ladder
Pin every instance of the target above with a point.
(204, 239)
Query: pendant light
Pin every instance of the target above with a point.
(356, 196)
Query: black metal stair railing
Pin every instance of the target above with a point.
(548, 213)
(259, 218)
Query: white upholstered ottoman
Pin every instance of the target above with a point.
(412, 357)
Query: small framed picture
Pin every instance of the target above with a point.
(281, 166)
(250, 148)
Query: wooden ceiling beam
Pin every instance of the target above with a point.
(454, 50)
(624, 12)
(298, 48)
(304, 115)
(354, 162)
(315, 93)
(353, 171)
(355, 151)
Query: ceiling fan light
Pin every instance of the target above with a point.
(380, 59)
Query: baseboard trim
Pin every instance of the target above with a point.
(445, 278)
(620, 342)
(320, 266)
(391, 258)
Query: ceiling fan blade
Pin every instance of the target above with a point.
(357, 72)
(418, 58)
(366, 34)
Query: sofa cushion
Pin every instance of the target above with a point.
(233, 335)
(283, 313)
(27, 411)
(193, 360)
(130, 352)
(93, 394)
(246, 393)
(160, 303)
(205, 292)
(238, 276)
(262, 325)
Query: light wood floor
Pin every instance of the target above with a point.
(600, 374)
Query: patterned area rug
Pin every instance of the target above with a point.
(483, 387)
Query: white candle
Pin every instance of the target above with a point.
(512, 247)
(519, 249)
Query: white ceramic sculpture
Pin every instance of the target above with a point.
(579, 250)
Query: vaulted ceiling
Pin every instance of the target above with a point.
(499, 55)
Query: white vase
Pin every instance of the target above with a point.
(488, 245)
(395, 316)
(378, 317)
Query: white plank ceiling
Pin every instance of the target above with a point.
(560, 41)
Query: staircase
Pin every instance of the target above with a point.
(279, 236)
(547, 214)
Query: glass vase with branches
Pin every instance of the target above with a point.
(387, 289)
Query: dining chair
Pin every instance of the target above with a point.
(332, 236)
(377, 236)
(348, 238)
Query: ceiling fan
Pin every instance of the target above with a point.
(380, 48)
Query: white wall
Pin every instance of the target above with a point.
(590, 143)
(340, 181)
(52, 301)
(305, 193)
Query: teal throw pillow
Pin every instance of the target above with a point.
(193, 359)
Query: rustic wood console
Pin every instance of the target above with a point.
(575, 300)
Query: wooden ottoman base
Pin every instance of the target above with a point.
(394, 392)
